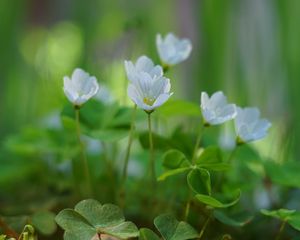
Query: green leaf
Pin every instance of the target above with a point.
(90, 217)
(235, 221)
(44, 222)
(294, 221)
(171, 229)
(172, 172)
(211, 158)
(74, 223)
(199, 181)
(173, 159)
(108, 135)
(2, 237)
(210, 201)
(282, 214)
(147, 234)
(179, 108)
(100, 215)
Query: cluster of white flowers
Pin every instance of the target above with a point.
(149, 89)
(248, 124)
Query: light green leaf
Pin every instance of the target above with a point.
(236, 221)
(282, 214)
(90, 217)
(171, 229)
(147, 234)
(211, 158)
(199, 181)
(172, 172)
(174, 108)
(294, 221)
(173, 159)
(210, 201)
(73, 222)
(44, 222)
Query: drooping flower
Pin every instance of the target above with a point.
(249, 126)
(216, 110)
(80, 87)
(149, 92)
(172, 50)
(143, 64)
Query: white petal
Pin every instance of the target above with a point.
(161, 99)
(204, 100)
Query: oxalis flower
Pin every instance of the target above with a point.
(216, 110)
(80, 87)
(149, 92)
(249, 126)
(172, 50)
(143, 64)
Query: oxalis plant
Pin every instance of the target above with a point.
(188, 186)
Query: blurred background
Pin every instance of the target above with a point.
(250, 49)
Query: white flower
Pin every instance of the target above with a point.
(143, 64)
(81, 87)
(172, 50)
(248, 125)
(149, 93)
(216, 110)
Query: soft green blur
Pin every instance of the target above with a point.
(249, 49)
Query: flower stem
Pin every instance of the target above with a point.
(132, 126)
(197, 144)
(281, 229)
(205, 225)
(83, 154)
(188, 204)
(151, 154)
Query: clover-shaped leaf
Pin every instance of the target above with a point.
(174, 158)
(211, 159)
(89, 218)
(171, 229)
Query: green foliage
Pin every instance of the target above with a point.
(237, 220)
(213, 202)
(89, 218)
(292, 217)
(172, 229)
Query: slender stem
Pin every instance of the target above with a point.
(205, 225)
(281, 229)
(132, 126)
(197, 144)
(188, 204)
(83, 155)
(232, 154)
(151, 155)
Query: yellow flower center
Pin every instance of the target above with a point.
(148, 101)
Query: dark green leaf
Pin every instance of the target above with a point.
(173, 159)
(199, 181)
(235, 221)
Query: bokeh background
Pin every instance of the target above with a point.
(250, 49)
